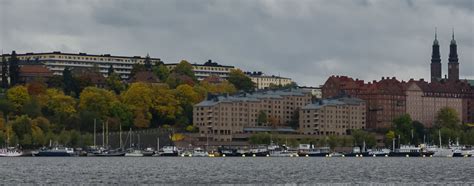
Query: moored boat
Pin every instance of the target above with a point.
(199, 152)
(10, 152)
(55, 151)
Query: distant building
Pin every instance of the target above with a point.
(57, 61)
(29, 73)
(315, 91)
(263, 81)
(209, 68)
(333, 116)
(224, 118)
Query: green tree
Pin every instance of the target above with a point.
(185, 68)
(241, 81)
(14, 69)
(447, 118)
(4, 73)
(114, 83)
(123, 113)
(32, 108)
(333, 141)
(260, 139)
(161, 71)
(22, 126)
(262, 118)
(6, 107)
(403, 127)
(70, 83)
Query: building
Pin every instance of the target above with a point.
(315, 91)
(30, 73)
(209, 68)
(333, 116)
(224, 118)
(424, 100)
(263, 81)
(57, 61)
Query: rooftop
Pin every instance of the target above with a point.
(80, 54)
(252, 97)
(334, 102)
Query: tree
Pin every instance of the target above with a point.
(36, 88)
(333, 141)
(136, 68)
(97, 100)
(403, 127)
(59, 106)
(6, 107)
(361, 136)
(142, 119)
(161, 71)
(21, 126)
(262, 118)
(123, 113)
(389, 136)
(14, 69)
(4, 73)
(241, 81)
(260, 139)
(448, 118)
(114, 83)
(70, 84)
(18, 95)
(148, 63)
(185, 68)
(110, 71)
(32, 108)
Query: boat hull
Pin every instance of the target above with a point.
(410, 154)
(53, 154)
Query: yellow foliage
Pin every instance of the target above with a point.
(96, 100)
(60, 103)
(177, 137)
(18, 95)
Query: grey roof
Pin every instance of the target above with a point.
(334, 102)
(254, 97)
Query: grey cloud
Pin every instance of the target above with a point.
(306, 40)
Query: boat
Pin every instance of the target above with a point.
(310, 150)
(280, 151)
(379, 152)
(55, 151)
(410, 151)
(168, 151)
(257, 151)
(356, 152)
(228, 152)
(10, 152)
(440, 151)
(199, 152)
(335, 154)
(103, 152)
(134, 153)
(148, 152)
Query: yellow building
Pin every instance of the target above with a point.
(58, 61)
(263, 81)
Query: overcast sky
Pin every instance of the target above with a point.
(307, 40)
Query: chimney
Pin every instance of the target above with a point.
(383, 78)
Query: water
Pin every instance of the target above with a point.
(249, 170)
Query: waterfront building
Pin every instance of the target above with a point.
(57, 61)
(335, 116)
(263, 81)
(224, 118)
(209, 68)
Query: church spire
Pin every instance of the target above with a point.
(453, 65)
(435, 60)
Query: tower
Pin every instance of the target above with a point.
(453, 65)
(435, 60)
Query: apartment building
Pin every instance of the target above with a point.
(263, 81)
(209, 68)
(223, 117)
(58, 61)
(333, 116)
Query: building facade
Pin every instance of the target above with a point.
(333, 116)
(223, 117)
(58, 61)
(263, 81)
(209, 68)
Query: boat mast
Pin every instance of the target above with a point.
(107, 128)
(94, 132)
(120, 134)
(103, 134)
(439, 136)
(130, 134)
(157, 143)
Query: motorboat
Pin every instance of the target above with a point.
(55, 151)
(199, 152)
(168, 151)
(310, 150)
(134, 153)
(10, 152)
(379, 152)
(410, 151)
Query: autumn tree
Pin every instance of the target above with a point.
(262, 118)
(97, 100)
(18, 95)
(114, 83)
(185, 68)
(241, 81)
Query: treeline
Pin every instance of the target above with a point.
(64, 108)
(447, 123)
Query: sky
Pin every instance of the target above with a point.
(306, 40)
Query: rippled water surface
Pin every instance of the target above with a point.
(151, 170)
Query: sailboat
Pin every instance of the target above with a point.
(104, 151)
(440, 151)
(132, 152)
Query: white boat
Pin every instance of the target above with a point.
(10, 152)
(440, 151)
(280, 151)
(134, 153)
(198, 152)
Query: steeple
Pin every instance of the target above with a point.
(435, 60)
(453, 65)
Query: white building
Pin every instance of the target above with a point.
(263, 81)
(209, 68)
